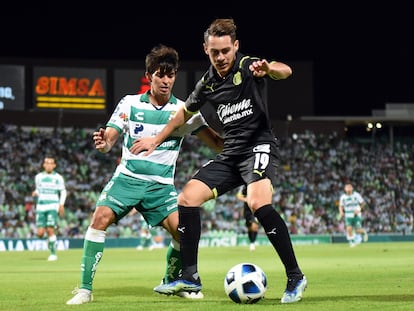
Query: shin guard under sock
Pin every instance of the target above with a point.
(278, 234)
(189, 228)
(93, 247)
(173, 259)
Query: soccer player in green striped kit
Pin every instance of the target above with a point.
(351, 204)
(50, 194)
(143, 183)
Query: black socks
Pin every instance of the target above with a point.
(278, 234)
(189, 229)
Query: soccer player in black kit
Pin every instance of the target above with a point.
(234, 86)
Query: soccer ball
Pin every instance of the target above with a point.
(245, 283)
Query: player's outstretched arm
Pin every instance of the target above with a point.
(149, 144)
(275, 70)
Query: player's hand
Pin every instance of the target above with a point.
(61, 210)
(259, 68)
(147, 144)
(99, 141)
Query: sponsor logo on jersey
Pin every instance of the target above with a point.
(123, 116)
(139, 116)
(262, 148)
(168, 144)
(138, 128)
(230, 112)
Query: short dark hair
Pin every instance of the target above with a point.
(221, 27)
(163, 58)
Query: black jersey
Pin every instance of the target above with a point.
(239, 101)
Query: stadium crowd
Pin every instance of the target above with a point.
(313, 170)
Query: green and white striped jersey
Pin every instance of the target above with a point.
(351, 203)
(51, 191)
(136, 117)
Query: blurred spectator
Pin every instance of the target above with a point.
(312, 173)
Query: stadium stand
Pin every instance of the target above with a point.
(313, 170)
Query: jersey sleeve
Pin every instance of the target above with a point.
(61, 182)
(120, 116)
(37, 181)
(341, 200)
(359, 198)
(195, 100)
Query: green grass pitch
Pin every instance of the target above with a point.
(371, 276)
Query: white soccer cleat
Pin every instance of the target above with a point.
(190, 295)
(294, 290)
(52, 258)
(186, 295)
(81, 296)
(252, 247)
(178, 286)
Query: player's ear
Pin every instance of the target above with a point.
(236, 45)
(205, 48)
(148, 76)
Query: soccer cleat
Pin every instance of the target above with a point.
(252, 247)
(52, 258)
(177, 286)
(294, 290)
(81, 296)
(186, 295)
(190, 295)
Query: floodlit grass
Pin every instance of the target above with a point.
(372, 276)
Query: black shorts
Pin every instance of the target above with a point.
(226, 173)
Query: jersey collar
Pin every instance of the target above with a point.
(145, 98)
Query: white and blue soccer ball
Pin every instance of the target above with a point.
(245, 283)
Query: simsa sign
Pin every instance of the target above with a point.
(69, 88)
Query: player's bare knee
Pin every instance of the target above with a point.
(102, 218)
(255, 204)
